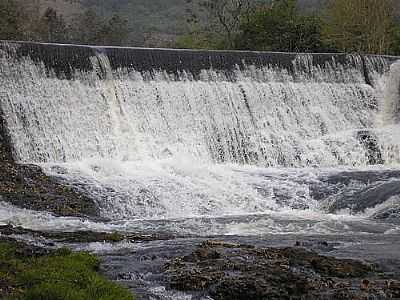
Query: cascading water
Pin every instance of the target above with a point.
(391, 104)
(164, 134)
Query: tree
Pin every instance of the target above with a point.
(90, 28)
(11, 20)
(228, 14)
(216, 22)
(87, 28)
(199, 39)
(116, 32)
(363, 26)
(52, 27)
(280, 27)
(395, 39)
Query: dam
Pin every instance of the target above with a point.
(186, 171)
(171, 136)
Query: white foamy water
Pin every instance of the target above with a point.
(264, 118)
(302, 222)
(391, 105)
(173, 188)
(178, 151)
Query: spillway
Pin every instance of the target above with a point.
(160, 134)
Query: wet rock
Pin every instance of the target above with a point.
(393, 289)
(5, 151)
(365, 285)
(231, 271)
(388, 213)
(375, 194)
(317, 245)
(26, 186)
(80, 236)
(357, 190)
(24, 250)
(372, 151)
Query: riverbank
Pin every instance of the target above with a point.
(221, 268)
(29, 272)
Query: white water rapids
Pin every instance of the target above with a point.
(212, 156)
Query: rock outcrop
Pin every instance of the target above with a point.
(229, 271)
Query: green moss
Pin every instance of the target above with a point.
(62, 275)
(115, 237)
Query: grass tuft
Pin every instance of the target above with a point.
(62, 275)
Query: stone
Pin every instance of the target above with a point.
(227, 271)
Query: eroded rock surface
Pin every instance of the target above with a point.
(80, 236)
(232, 271)
(26, 186)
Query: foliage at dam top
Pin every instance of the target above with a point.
(363, 26)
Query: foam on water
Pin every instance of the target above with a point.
(174, 188)
(297, 222)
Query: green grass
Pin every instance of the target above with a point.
(63, 275)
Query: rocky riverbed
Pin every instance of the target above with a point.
(216, 269)
(267, 267)
(227, 271)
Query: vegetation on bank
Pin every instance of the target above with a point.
(32, 274)
(363, 26)
(26, 21)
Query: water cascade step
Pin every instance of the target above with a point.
(165, 133)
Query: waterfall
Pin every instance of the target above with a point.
(110, 114)
(305, 115)
(391, 100)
